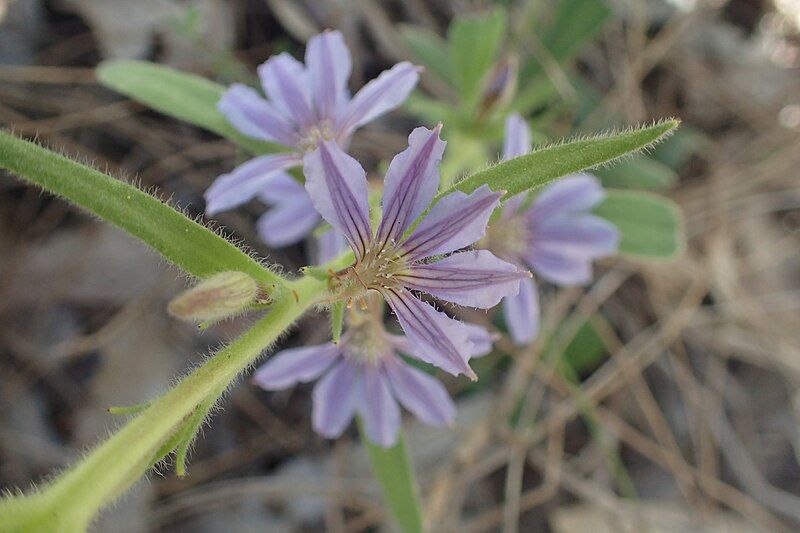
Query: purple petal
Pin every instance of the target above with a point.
(420, 393)
(328, 62)
(475, 278)
(246, 181)
(481, 339)
(521, 313)
(285, 81)
(411, 182)
(580, 192)
(329, 245)
(288, 222)
(249, 113)
(518, 137)
(433, 336)
(456, 221)
(377, 97)
(511, 207)
(378, 408)
(335, 398)
(296, 365)
(280, 188)
(338, 187)
(588, 236)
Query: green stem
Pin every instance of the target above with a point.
(71, 500)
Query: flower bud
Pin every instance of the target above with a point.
(500, 86)
(221, 296)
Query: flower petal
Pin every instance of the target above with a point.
(434, 337)
(377, 97)
(521, 313)
(481, 339)
(580, 192)
(411, 182)
(378, 408)
(281, 187)
(329, 245)
(328, 62)
(288, 222)
(335, 398)
(285, 81)
(518, 137)
(246, 181)
(338, 187)
(296, 365)
(456, 221)
(251, 114)
(475, 278)
(581, 235)
(420, 393)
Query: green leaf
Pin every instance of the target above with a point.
(177, 94)
(129, 409)
(637, 173)
(337, 319)
(392, 467)
(474, 44)
(546, 164)
(585, 351)
(651, 225)
(575, 23)
(431, 51)
(182, 241)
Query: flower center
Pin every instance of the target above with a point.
(376, 271)
(365, 340)
(506, 238)
(322, 130)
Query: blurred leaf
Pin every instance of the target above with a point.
(586, 350)
(651, 225)
(392, 467)
(182, 241)
(474, 44)
(678, 149)
(431, 51)
(428, 110)
(177, 94)
(637, 173)
(546, 164)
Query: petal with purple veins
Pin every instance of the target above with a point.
(251, 114)
(328, 63)
(580, 192)
(420, 393)
(378, 408)
(474, 278)
(246, 181)
(433, 336)
(455, 222)
(335, 398)
(296, 365)
(518, 137)
(338, 188)
(377, 97)
(285, 81)
(411, 182)
(521, 313)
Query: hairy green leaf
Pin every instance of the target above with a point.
(185, 243)
(651, 225)
(546, 164)
(177, 94)
(393, 469)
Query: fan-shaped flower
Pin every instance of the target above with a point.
(556, 236)
(393, 263)
(307, 103)
(364, 375)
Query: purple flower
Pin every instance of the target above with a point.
(306, 103)
(556, 235)
(393, 263)
(364, 375)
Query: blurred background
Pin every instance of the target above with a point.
(667, 400)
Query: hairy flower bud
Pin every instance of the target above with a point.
(221, 296)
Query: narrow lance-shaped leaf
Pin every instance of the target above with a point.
(546, 164)
(393, 469)
(651, 225)
(182, 241)
(474, 44)
(431, 50)
(177, 94)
